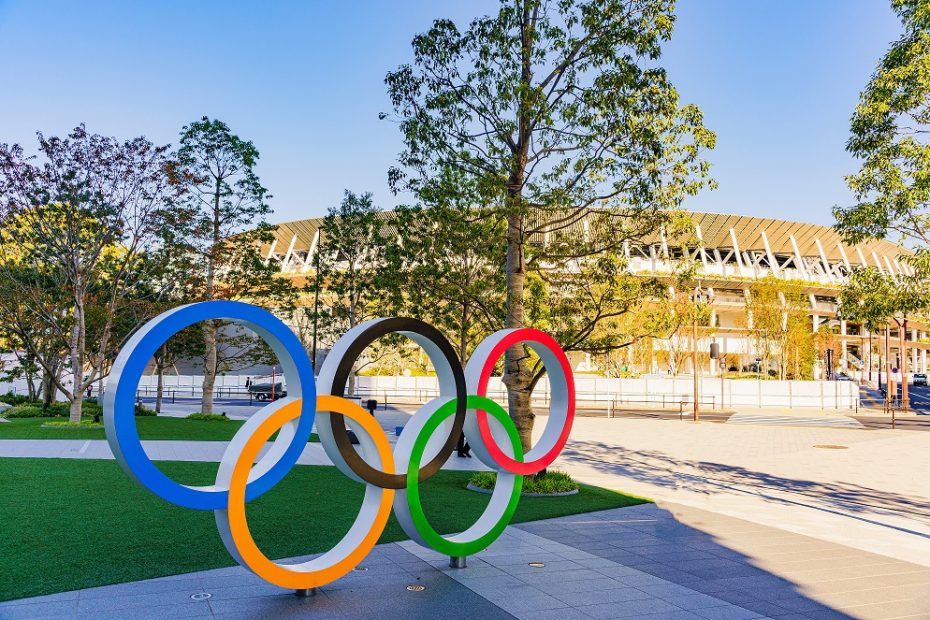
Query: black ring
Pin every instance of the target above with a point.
(341, 376)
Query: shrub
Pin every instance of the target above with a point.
(28, 410)
(553, 481)
(209, 417)
(81, 424)
(142, 410)
(14, 399)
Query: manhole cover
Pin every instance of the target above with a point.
(201, 596)
(537, 564)
(830, 446)
(415, 587)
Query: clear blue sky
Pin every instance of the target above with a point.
(777, 80)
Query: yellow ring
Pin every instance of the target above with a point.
(293, 576)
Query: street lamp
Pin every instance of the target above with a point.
(699, 298)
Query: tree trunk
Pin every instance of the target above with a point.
(517, 375)
(160, 370)
(210, 329)
(209, 367)
(76, 405)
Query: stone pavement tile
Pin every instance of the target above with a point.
(616, 595)
(543, 578)
(553, 614)
(149, 586)
(161, 612)
(53, 609)
(47, 598)
(887, 610)
(729, 612)
(630, 609)
(523, 598)
(130, 602)
(587, 585)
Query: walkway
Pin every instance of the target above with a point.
(639, 562)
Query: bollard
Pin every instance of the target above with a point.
(457, 562)
(305, 592)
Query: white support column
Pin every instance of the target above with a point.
(314, 247)
(890, 269)
(285, 266)
(736, 250)
(798, 259)
(697, 230)
(823, 259)
(878, 263)
(274, 244)
(923, 360)
(773, 264)
(862, 261)
(843, 255)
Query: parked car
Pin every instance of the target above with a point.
(920, 378)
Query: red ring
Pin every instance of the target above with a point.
(525, 334)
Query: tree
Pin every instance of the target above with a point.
(76, 229)
(548, 113)
(889, 129)
(875, 298)
(228, 227)
(449, 266)
(779, 325)
(351, 279)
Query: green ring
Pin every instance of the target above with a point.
(431, 536)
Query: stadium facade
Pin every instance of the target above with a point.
(731, 253)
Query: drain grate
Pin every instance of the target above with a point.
(537, 564)
(831, 446)
(415, 587)
(360, 569)
(201, 596)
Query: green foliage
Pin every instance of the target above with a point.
(557, 118)
(450, 264)
(209, 417)
(553, 481)
(352, 279)
(887, 135)
(874, 297)
(14, 399)
(142, 410)
(69, 424)
(28, 410)
(81, 228)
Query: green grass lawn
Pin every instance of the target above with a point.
(150, 427)
(70, 524)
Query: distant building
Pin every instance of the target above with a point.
(731, 252)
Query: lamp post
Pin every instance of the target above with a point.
(699, 298)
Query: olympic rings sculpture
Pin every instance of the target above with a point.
(392, 477)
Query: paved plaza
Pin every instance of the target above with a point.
(750, 521)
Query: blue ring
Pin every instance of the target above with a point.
(119, 403)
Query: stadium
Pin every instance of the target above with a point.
(731, 252)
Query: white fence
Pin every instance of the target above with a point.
(592, 391)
